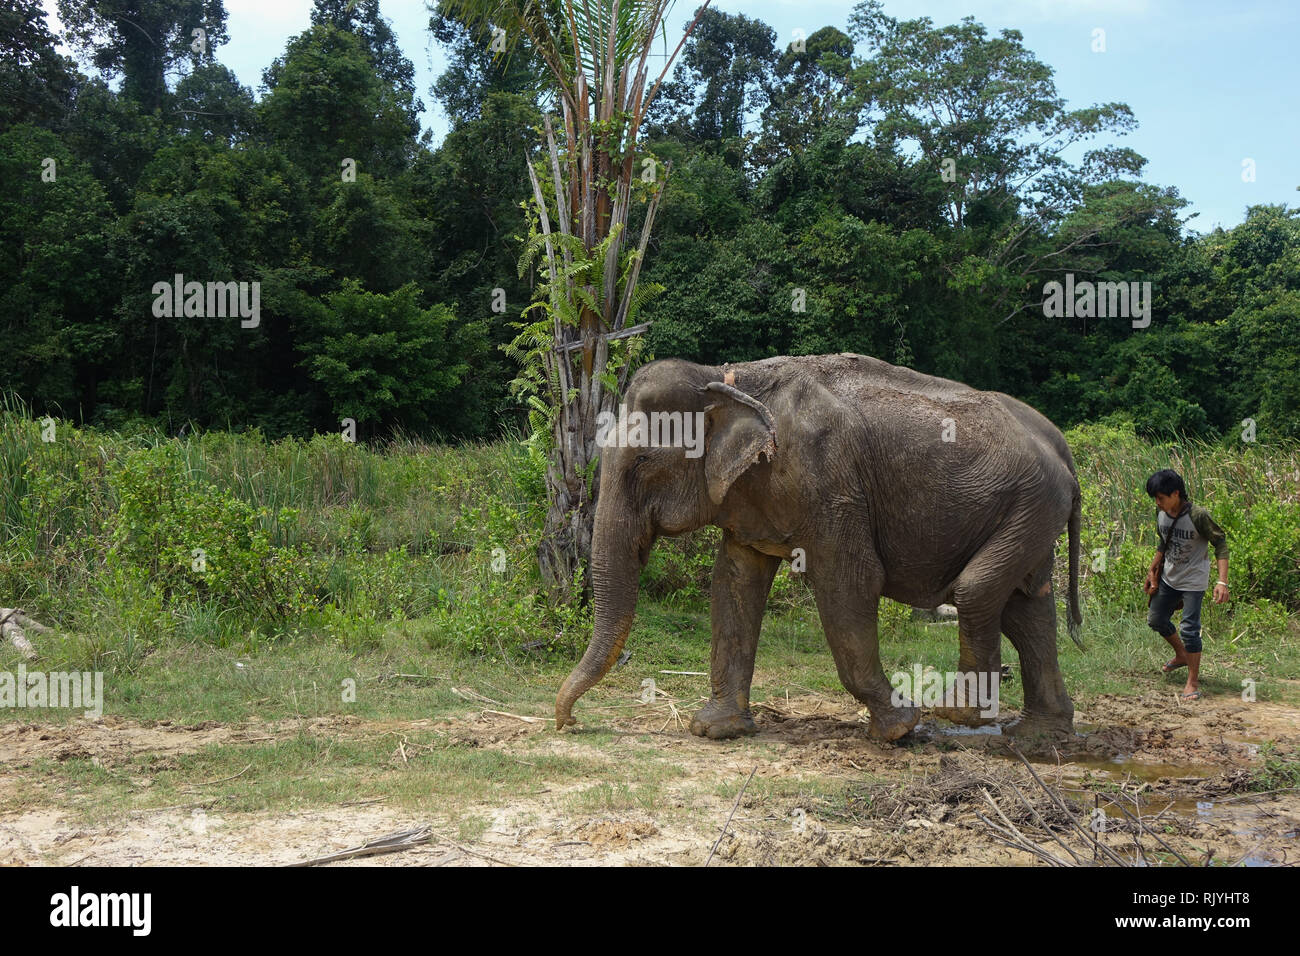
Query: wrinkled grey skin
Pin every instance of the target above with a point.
(854, 470)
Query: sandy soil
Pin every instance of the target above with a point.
(833, 797)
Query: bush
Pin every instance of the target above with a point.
(197, 542)
(1264, 541)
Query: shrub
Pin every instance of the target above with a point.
(197, 542)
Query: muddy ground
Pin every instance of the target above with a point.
(1165, 781)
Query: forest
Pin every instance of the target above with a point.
(822, 197)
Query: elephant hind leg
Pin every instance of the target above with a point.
(980, 593)
(1029, 622)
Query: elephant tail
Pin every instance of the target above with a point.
(1075, 618)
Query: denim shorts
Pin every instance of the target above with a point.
(1162, 609)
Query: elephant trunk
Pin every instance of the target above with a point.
(617, 554)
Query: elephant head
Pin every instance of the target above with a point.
(684, 435)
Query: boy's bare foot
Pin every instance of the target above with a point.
(1173, 665)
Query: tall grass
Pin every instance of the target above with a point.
(446, 535)
(385, 532)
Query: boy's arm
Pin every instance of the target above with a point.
(1220, 590)
(1207, 528)
(1152, 581)
(1160, 553)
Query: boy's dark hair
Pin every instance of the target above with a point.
(1166, 482)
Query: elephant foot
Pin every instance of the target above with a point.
(1034, 725)
(966, 716)
(718, 723)
(893, 722)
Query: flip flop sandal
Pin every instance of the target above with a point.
(1194, 695)
(1171, 667)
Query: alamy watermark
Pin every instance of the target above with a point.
(931, 688)
(36, 689)
(1100, 300)
(213, 300)
(75, 908)
(655, 430)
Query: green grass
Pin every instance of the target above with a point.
(410, 685)
(306, 770)
(404, 678)
(404, 603)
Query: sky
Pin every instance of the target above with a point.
(1211, 85)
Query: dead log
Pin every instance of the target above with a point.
(14, 623)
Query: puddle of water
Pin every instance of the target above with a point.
(957, 730)
(1122, 765)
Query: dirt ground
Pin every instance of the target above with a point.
(1158, 777)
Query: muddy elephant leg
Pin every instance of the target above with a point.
(848, 607)
(1030, 624)
(742, 578)
(980, 593)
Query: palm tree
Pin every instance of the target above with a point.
(578, 355)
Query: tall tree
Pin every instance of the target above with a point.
(363, 20)
(212, 104)
(578, 355)
(982, 109)
(36, 82)
(59, 274)
(812, 90)
(325, 104)
(722, 84)
(475, 70)
(142, 40)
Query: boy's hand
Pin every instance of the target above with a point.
(1220, 592)
(1150, 586)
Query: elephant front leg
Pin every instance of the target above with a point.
(848, 607)
(742, 578)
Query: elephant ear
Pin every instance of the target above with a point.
(738, 430)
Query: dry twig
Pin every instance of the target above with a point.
(730, 815)
(389, 843)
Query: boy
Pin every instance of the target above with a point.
(1186, 530)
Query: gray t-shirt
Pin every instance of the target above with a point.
(1187, 563)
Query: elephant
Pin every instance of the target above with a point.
(887, 482)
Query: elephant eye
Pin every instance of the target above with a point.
(641, 458)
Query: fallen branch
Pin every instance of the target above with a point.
(1014, 836)
(531, 720)
(1005, 837)
(1038, 818)
(390, 843)
(1142, 830)
(470, 694)
(730, 815)
(13, 620)
(1088, 837)
(208, 783)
